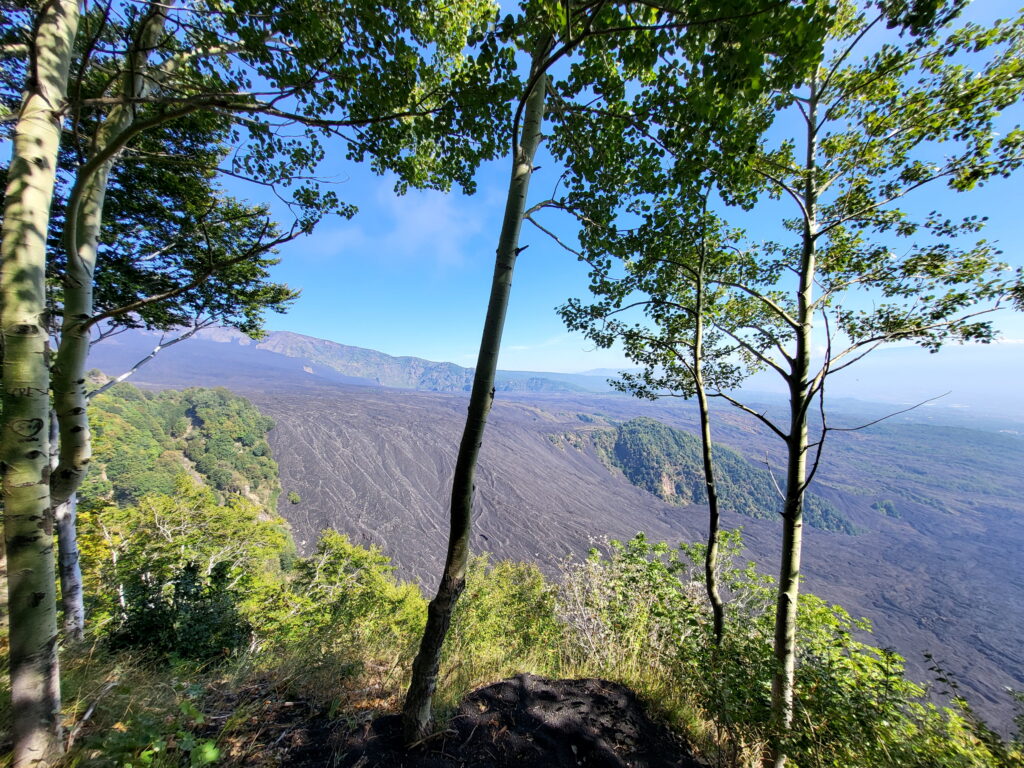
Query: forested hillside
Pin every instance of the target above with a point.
(666, 462)
(146, 440)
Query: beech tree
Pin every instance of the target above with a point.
(25, 400)
(607, 48)
(865, 129)
(673, 267)
(387, 82)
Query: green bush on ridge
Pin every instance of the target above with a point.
(195, 616)
(638, 611)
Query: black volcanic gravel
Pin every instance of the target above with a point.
(530, 721)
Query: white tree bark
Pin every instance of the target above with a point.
(24, 433)
(81, 238)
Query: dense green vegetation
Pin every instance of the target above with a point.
(667, 462)
(146, 440)
(135, 557)
(886, 507)
(196, 595)
(329, 628)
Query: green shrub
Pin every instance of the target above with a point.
(637, 611)
(504, 623)
(340, 616)
(144, 548)
(886, 506)
(194, 616)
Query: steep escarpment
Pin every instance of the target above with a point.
(403, 372)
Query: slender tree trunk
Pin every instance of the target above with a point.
(24, 433)
(81, 241)
(711, 555)
(67, 554)
(74, 444)
(3, 582)
(71, 595)
(785, 647)
(789, 575)
(416, 713)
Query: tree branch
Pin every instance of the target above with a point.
(552, 235)
(890, 415)
(161, 345)
(195, 283)
(753, 351)
(789, 191)
(773, 306)
(747, 409)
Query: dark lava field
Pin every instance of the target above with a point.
(942, 575)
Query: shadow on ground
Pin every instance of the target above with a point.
(529, 721)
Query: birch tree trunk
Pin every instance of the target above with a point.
(24, 437)
(70, 569)
(711, 554)
(800, 395)
(3, 582)
(81, 240)
(416, 713)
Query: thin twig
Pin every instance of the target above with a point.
(88, 713)
(890, 415)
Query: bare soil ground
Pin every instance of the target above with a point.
(523, 722)
(530, 721)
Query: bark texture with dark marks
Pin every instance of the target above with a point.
(24, 425)
(416, 713)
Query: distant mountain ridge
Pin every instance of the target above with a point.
(404, 372)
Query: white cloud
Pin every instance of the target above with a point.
(552, 341)
(328, 242)
(564, 353)
(426, 225)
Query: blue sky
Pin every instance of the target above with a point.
(410, 275)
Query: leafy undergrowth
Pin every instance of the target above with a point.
(237, 663)
(124, 712)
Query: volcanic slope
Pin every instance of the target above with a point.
(357, 365)
(936, 569)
